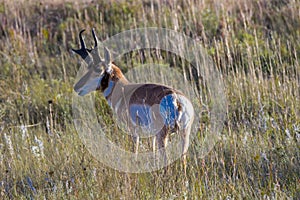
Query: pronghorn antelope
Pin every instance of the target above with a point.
(141, 106)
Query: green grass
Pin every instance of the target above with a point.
(255, 46)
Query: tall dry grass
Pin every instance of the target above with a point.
(255, 45)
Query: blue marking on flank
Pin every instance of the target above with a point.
(168, 110)
(140, 114)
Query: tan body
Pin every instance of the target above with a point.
(153, 109)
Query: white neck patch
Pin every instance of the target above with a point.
(109, 69)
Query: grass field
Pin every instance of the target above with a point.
(255, 46)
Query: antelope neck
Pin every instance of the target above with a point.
(115, 88)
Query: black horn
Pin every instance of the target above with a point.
(83, 51)
(95, 38)
(95, 52)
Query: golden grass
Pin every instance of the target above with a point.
(255, 45)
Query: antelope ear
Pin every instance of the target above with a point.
(107, 56)
(107, 60)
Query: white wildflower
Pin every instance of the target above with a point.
(24, 131)
(288, 135)
(9, 144)
(38, 150)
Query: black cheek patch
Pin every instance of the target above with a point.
(104, 82)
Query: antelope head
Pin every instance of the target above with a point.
(99, 69)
